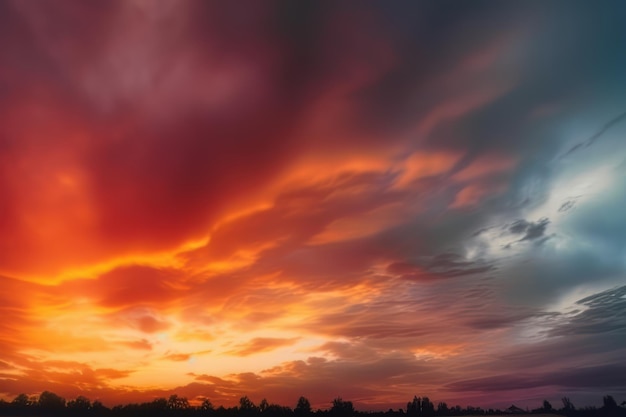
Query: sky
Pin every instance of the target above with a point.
(371, 200)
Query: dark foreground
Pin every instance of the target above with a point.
(49, 404)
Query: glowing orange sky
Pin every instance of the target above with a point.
(274, 199)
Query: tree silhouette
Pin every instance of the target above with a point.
(303, 407)
(52, 405)
(421, 407)
(609, 402)
(428, 408)
(50, 401)
(158, 404)
(246, 406)
(342, 408)
(21, 401)
(79, 404)
(547, 406)
(414, 408)
(97, 408)
(567, 404)
(206, 405)
(263, 405)
(177, 403)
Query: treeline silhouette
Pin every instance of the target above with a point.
(51, 404)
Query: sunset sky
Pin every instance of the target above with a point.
(365, 199)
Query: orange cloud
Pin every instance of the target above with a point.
(484, 166)
(361, 225)
(426, 164)
(142, 344)
(178, 357)
(262, 344)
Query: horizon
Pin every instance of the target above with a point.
(325, 198)
(83, 403)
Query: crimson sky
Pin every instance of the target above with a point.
(324, 198)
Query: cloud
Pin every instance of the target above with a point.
(181, 357)
(566, 206)
(63, 377)
(158, 172)
(529, 230)
(111, 373)
(141, 344)
(261, 344)
(149, 324)
(553, 359)
(178, 357)
(135, 285)
(447, 265)
(588, 142)
(602, 313)
(605, 377)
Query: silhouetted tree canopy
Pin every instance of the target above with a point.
(177, 403)
(413, 408)
(21, 400)
(80, 403)
(303, 407)
(341, 407)
(246, 405)
(609, 402)
(50, 401)
(547, 406)
(206, 405)
(567, 404)
(50, 404)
